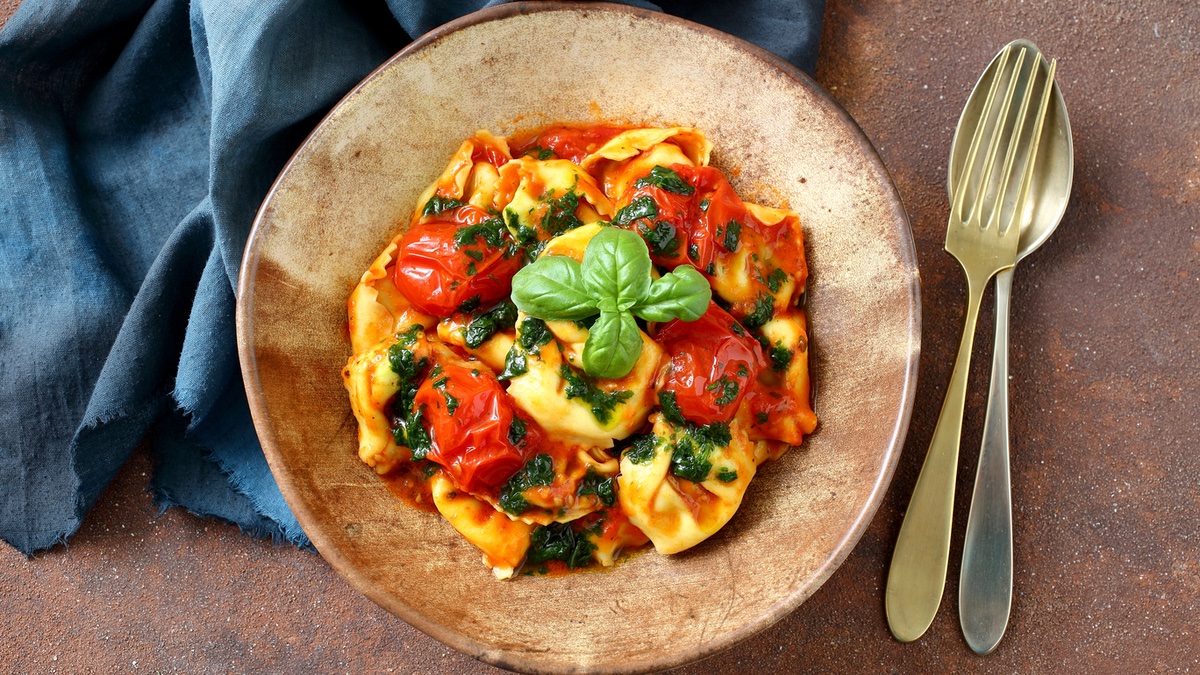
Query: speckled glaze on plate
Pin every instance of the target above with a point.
(352, 186)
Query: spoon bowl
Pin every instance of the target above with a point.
(1054, 172)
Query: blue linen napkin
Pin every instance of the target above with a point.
(137, 140)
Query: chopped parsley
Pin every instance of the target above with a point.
(689, 460)
(714, 434)
(516, 431)
(416, 436)
(525, 236)
(489, 232)
(727, 390)
(694, 253)
(726, 475)
(642, 207)
(485, 325)
(405, 364)
(776, 279)
(761, 417)
(536, 472)
(781, 357)
(737, 329)
(515, 364)
(603, 402)
(665, 179)
(604, 488)
(662, 239)
(764, 311)
(693, 445)
(470, 304)
(540, 153)
(670, 408)
(733, 232)
(643, 448)
(534, 333)
(704, 204)
(407, 429)
(436, 205)
(440, 385)
(560, 214)
(558, 541)
(409, 337)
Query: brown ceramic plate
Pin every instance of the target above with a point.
(353, 183)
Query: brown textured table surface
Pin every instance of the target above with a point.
(1106, 437)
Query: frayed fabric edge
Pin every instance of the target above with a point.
(283, 531)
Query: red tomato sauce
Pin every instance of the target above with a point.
(567, 142)
(408, 481)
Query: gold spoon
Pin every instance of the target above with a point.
(985, 582)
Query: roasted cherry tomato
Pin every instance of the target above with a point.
(463, 257)
(713, 362)
(572, 143)
(691, 228)
(471, 426)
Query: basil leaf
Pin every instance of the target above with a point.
(616, 264)
(613, 346)
(552, 288)
(682, 294)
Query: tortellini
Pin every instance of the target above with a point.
(570, 405)
(489, 412)
(503, 541)
(678, 513)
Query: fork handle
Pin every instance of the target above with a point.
(917, 575)
(985, 583)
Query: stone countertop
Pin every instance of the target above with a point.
(1105, 412)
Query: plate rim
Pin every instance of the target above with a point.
(445, 634)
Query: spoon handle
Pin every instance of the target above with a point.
(917, 575)
(985, 583)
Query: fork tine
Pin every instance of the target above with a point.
(1027, 175)
(1010, 155)
(996, 141)
(968, 170)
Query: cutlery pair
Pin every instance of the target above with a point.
(1009, 187)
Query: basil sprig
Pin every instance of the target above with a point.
(613, 281)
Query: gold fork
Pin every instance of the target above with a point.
(982, 234)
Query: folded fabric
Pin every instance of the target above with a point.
(137, 140)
